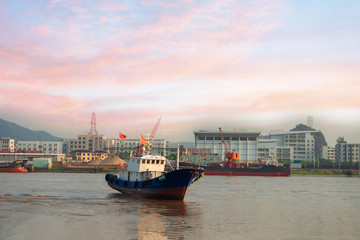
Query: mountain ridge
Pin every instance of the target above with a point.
(20, 133)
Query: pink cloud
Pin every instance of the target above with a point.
(42, 30)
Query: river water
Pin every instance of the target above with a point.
(81, 206)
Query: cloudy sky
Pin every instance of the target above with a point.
(255, 65)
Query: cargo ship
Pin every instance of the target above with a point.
(146, 177)
(231, 166)
(262, 170)
(17, 166)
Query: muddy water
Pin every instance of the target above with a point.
(82, 206)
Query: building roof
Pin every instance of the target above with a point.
(227, 134)
(292, 132)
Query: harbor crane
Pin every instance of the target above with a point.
(232, 157)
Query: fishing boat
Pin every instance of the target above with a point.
(17, 166)
(146, 177)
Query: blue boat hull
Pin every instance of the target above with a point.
(172, 185)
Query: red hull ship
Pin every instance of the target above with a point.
(14, 167)
(260, 170)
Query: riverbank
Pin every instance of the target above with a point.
(76, 170)
(325, 172)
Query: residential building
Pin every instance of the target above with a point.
(328, 153)
(243, 142)
(302, 142)
(46, 147)
(346, 152)
(158, 146)
(7, 144)
(90, 142)
(268, 148)
(87, 156)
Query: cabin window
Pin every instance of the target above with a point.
(138, 161)
(162, 161)
(143, 161)
(157, 161)
(152, 161)
(148, 161)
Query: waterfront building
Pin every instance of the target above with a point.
(90, 142)
(30, 155)
(346, 152)
(87, 156)
(7, 144)
(269, 148)
(158, 146)
(243, 142)
(47, 147)
(328, 153)
(302, 143)
(199, 160)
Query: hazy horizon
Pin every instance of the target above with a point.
(255, 65)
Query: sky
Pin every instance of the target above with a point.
(198, 65)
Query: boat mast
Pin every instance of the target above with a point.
(177, 158)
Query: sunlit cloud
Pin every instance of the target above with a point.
(193, 63)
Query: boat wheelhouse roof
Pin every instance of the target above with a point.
(153, 157)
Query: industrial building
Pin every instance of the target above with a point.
(243, 142)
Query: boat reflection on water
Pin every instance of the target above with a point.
(159, 219)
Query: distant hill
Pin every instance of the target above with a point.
(19, 133)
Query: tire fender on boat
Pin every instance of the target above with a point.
(113, 179)
(107, 176)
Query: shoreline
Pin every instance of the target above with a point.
(318, 172)
(325, 172)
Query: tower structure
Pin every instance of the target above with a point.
(310, 121)
(93, 125)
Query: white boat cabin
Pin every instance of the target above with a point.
(143, 168)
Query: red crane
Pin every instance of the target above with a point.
(151, 138)
(223, 141)
(231, 157)
(154, 131)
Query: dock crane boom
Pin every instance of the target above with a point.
(231, 157)
(151, 138)
(223, 141)
(154, 131)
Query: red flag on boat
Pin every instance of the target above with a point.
(202, 155)
(143, 140)
(122, 136)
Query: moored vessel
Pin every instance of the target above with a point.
(17, 166)
(231, 166)
(262, 170)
